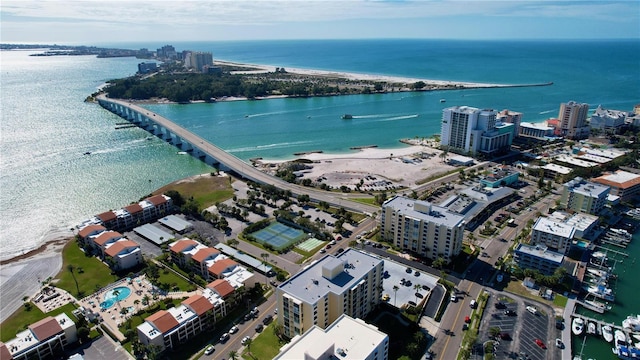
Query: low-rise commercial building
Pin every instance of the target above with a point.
(347, 338)
(623, 184)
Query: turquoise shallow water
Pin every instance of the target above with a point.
(47, 184)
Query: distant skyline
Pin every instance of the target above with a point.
(95, 22)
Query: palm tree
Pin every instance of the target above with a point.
(417, 288)
(248, 344)
(136, 303)
(145, 299)
(71, 268)
(116, 293)
(395, 293)
(233, 355)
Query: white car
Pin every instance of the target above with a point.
(210, 349)
(559, 344)
(233, 330)
(224, 337)
(454, 298)
(532, 310)
(245, 340)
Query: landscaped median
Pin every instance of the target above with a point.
(471, 335)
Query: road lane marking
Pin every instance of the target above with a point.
(446, 344)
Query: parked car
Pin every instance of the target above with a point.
(409, 270)
(454, 298)
(473, 304)
(510, 313)
(505, 336)
(259, 327)
(209, 350)
(417, 273)
(465, 326)
(340, 250)
(385, 297)
(244, 340)
(224, 337)
(532, 310)
(467, 319)
(233, 330)
(500, 305)
(267, 319)
(559, 344)
(541, 343)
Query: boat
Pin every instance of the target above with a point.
(182, 153)
(596, 306)
(591, 328)
(601, 292)
(443, 100)
(632, 322)
(624, 352)
(620, 337)
(87, 153)
(347, 116)
(607, 333)
(577, 326)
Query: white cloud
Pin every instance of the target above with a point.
(195, 17)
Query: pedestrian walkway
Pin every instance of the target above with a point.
(566, 332)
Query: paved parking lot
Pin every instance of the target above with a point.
(406, 290)
(523, 329)
(534, 327)
(102, 349)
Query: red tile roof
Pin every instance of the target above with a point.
(118, 246)
(219, 266)
(107, 216)
(199, 304)
(222, 287)
(204, 253)
(133, 208)
(604, 180)
(106, 236)
(163, 321)
(156, 200)
(45, 328)
(182, 244)
(89, 229)
(4, 351)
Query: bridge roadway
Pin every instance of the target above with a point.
(239, 166)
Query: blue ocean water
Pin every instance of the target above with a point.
(48, 185)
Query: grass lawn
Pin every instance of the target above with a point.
(265, 346)
(517, 288)
(171, 278)
(23, 318)
(206, 190)
(560, 300)
(89, 274)
(368, 201)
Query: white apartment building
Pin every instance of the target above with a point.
(471, 130)
(347, 338)
(45, 339)
(174, 326)
(584, 196)
(555, 235)
(426, 229)
(349, 283)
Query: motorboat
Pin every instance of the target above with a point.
(347, 116)
(620, 337)
(626, 352)
(601, 292)
(632, 322)
(596, 306)
(443, 100)
(591, 328)
(607, 333)
(577, 326)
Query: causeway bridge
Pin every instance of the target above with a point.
(211, 154)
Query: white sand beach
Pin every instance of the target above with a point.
(355, 76)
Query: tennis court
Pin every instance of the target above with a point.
(310, 244)
(278, 235)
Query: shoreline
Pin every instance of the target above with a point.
(404, 83)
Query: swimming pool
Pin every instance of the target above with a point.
(114, 295)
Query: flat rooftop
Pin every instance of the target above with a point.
(587, 188)
(175, 223)
(309, 284)
(540, 252)
(557, 168)
(346, 338)
(620, 179)
(551, 226)
(153, 234)
(425, 211)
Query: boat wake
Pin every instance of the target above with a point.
(545, 112)
(404, 117)
(270, 146)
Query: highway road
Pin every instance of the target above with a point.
(244, 169)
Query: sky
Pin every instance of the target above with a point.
(112, 21)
